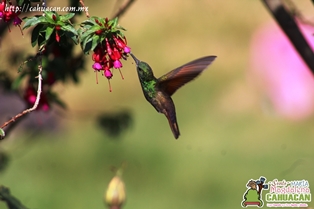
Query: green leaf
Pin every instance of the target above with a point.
(19, 2)
(24, 4)
(72, 36)
(87, 45)
(30, 22)
(16, 83)
(113, 23)
(79, 31)
(21, 67)
(57, 16)
(41, 41)
(49, 19)
(86, 27)
(69, 28)
(120, 34)
(49, 31)
(2, 134)
(91, 21)
(102, 38)
(35, 34)
(60, 23)
(95, 41)
(101, 21)
(66, 17)
(60, 103)
(33, 22)
(90, 31)
(55, 98)
(86, 35)
(48, 13)
(120, 28)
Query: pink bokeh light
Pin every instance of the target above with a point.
(280, 72)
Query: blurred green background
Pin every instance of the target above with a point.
(226, 137)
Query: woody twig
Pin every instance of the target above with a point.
(123, 8)
(34, 107)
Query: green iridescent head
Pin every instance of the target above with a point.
(144, 71)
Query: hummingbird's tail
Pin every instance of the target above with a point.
(173, 124)
(175, 129)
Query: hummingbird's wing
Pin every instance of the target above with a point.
(176, 78)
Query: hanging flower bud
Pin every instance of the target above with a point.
(17, 21)
(57, 37)
(97, 66)
(99, 55)
(120, 43)
(109, 50)
(127, 49)
(98, 32)
(108, 74)
(117, 64)
(2, 6)
(115, 54)
(54, 17)
(115, 194)
(97, 21)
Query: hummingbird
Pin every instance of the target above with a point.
(158, 92)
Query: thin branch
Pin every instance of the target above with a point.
(11, 201)
(123, 8)
(295, 12)
(44, 4)
(40, 68)
(291, 29)
(85, 10)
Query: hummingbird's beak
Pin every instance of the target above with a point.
(135, 59)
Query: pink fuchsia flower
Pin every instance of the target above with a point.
(117, 64)
(127, 49)
(45, 107)
(97, 66)
(31, 99)
(122, 44)
(116, 55)
(2, 6)
(57, 36)
(108, 55)
(108, 74)
(99, 54)
(17, 21)
(50, 79)
(109, 50)
(30, 95)
(281, 74)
